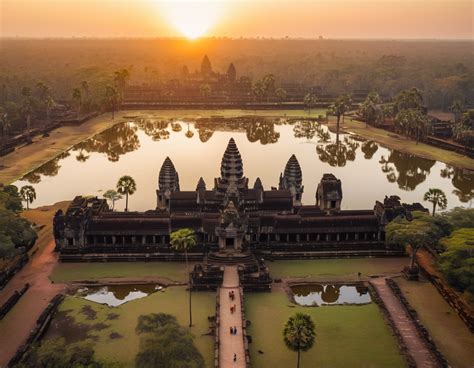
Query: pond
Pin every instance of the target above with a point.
(138, 147)
(115, 295)
(327, 294)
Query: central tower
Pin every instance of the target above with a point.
(232, 179)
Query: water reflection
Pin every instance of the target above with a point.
(115, 295)
(407, 170)
(323, 294)
(267, 140)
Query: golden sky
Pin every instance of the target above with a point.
(449, 19)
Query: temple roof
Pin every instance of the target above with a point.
(293, 174)
(168, 178)
(231, 166)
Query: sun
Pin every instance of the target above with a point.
(192, 18)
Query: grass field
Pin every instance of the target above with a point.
(448, 331)
(328, 269)
(123, 349)
(347, 336)
(69, 272)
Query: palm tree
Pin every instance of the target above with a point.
(126, 185)
(281, 95)
(28, 194)
(310, 101)
(457, 108)
(437, 198)
(112, 98)
(27, 106)
(184, 240)
(121, 78)
(299, 334)
(113, 196)
(77, 98)
(370, 109)
(5, 123)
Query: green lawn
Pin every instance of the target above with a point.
(347, 336)
(448, 331)
(124, 349)
(68, 272)
(328, 269)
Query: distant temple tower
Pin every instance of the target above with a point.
(231, 73)
(292, 180)
(232, 171)
(168, 182)
(329, 193)
(206, 68)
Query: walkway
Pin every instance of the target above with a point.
(415, 344)
(230, 344)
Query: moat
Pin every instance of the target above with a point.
(138, 147)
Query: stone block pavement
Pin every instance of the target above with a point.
(230, 344)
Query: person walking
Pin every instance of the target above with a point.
(235, 357)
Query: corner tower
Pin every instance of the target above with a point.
(292, 180)
(168, 182)
(232, 170)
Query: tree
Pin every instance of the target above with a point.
(10, 198)
(27, 106)
(28, 194)
(370, 109)
(121, 78)
(164, 343)
(112, 195)
(437, 198)
(268, 82)
(77, 98)
(299, 334)
(258, 90)
(112, 98)
(421, 230)
(184, 240)
(412, 122)
(310, 101)
(5, 123)
(457, 108)
(44, 93)
(15, 230)
(126, 185)
(338, 109)
(408, 99)
(281, 95)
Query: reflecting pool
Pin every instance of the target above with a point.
(138, 147)
(326, 294)
(115, 295)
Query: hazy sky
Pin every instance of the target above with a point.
(451, 19)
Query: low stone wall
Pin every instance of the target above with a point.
(401, 344)
(450, 146)
(244, 329)
(7, 274)
(419, 326)
(42, 324)
(464, 311)
(10, 303)
(130, 257)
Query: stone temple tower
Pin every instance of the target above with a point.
(168, 182)
(292, 180)
(329, 193)
(232, 177)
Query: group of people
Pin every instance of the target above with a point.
(233, 330)
(231, 295)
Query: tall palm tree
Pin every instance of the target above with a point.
(280, 94)
(299, 334)
(184, 240)
(457, 108)
(27, 106)
(28, 194)
(310, 101)
(77, 98)
(112, 98)
(5, 123)
(126, 185)
(437, 198)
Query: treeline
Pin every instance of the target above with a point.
(442, 70)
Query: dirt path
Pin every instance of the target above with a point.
(416, 346)
(230, 344)
(16, 326)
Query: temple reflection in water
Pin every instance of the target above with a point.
(407, 172)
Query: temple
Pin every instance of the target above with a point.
(233, 223)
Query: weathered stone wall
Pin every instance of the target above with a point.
(7, 274)
(12, 300)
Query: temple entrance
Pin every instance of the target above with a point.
(229, 243)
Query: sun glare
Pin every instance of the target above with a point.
(192, 18)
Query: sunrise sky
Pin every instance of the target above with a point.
(447, 19)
